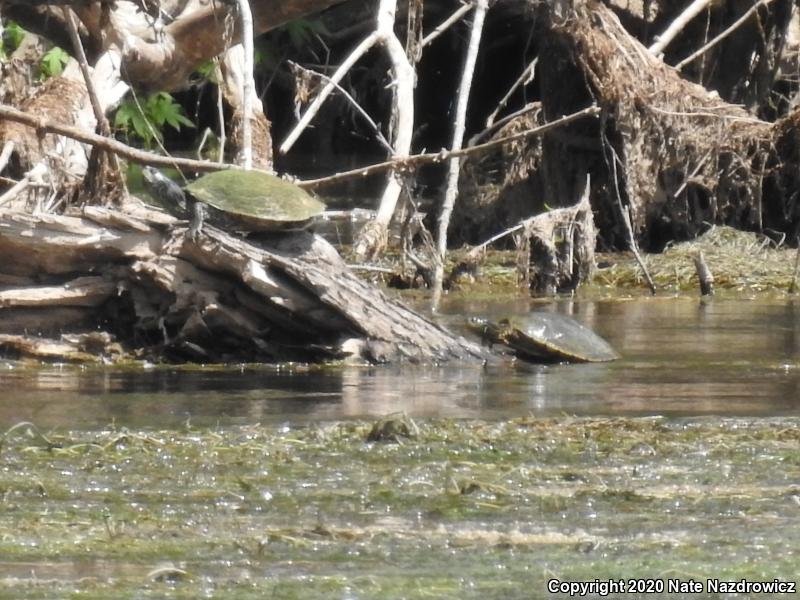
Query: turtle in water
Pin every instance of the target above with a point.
(546, 337)
(247, 201)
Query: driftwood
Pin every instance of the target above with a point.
(137, 276)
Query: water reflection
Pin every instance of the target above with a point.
(680, 357)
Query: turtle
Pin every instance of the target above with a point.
(546, 337)
(246, 201)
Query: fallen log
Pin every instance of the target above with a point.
(94, 347)
(139, 277)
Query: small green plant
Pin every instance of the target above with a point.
(146, 120)
(53, 62)
(206, 72)
(10, 39)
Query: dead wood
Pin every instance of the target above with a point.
(704, 275)
(405, 163)
(83, 291)
(561, 243)
(30, 128)
(682, 156)
(164, 56)
(454, 164)
(286, 296)
(17, 121)
(503, 186)
(84, 348)
(555, 249)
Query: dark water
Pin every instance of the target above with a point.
(680, 357)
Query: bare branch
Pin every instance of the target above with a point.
(416, 160)
(378, 134)
(248, 84)
(451, 191)
(447, 23)
(109, 144)
(677, 25)
(313, 109)
(740, 21)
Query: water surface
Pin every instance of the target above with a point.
(158, 482)
(681, 357)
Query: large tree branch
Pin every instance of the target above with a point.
(165, 60)
(200, 36)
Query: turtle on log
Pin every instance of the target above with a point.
(247, 201)
(546, 337)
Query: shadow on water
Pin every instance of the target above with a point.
(680, 357)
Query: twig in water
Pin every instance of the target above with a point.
(703, 274)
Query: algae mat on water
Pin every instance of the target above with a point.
(446, 509)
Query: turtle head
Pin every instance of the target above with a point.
(165, 191)
(480, 326)
(477, 324)
(489, 332)
(151, 175)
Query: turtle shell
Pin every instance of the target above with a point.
(556, 337)
(255, 201)
(546, 337)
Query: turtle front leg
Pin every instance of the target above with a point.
(196, 224)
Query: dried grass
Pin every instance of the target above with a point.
(739, 260)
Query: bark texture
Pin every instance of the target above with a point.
(139, 278)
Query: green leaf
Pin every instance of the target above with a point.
(142, 129)
(131, 122)
(206, 72)
(53, 62)
(148, 121)
(123, 116)
(13, 35)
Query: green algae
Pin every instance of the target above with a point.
(461, 509)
